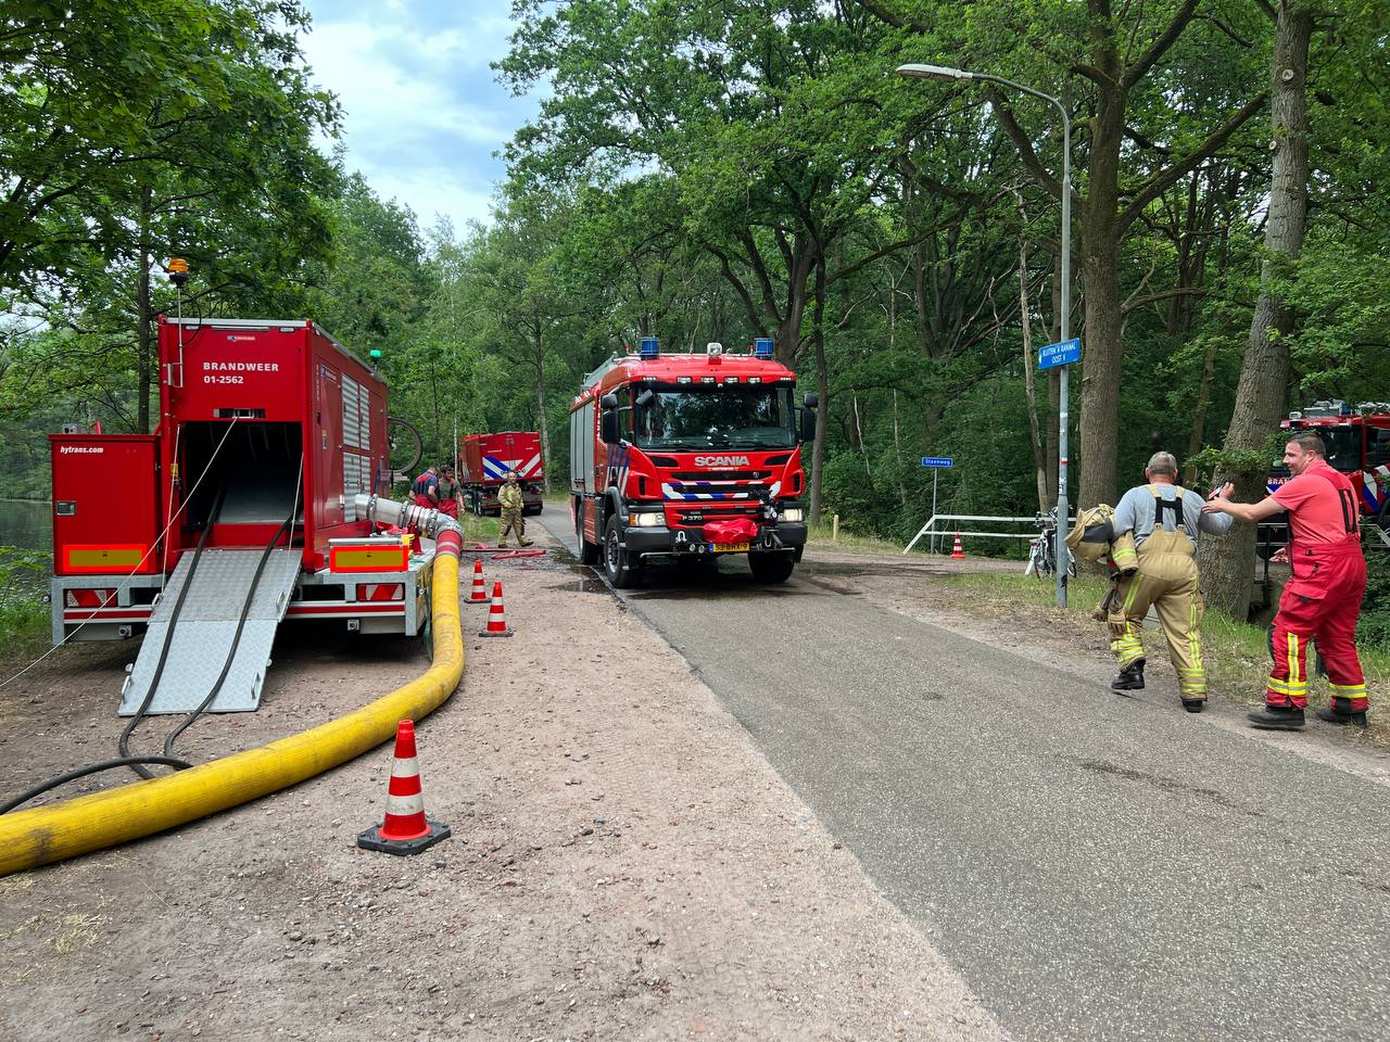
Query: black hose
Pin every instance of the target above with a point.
(236, 638)
(123, 744)
(82, 772)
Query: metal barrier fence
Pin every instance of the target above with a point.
(932, 530)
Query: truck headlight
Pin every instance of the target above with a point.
(792, 514)
(647, 519)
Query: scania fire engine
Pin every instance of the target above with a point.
(685, 457)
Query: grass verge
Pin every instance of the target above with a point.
(24, 621)
(849, 542)
(1236, 654)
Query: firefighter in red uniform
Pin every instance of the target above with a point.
(1323, 598)
(425, 489)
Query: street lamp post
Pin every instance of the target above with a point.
(940, 72)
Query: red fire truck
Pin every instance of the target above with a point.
(237, 512)
(485, 459)
(683, 457)
(1358, 444)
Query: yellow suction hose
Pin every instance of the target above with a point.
(29, 838)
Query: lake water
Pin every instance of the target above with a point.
(26, 523)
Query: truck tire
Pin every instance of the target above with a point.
(616, 561)
(771, 567)
(588, 552)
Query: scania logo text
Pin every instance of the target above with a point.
(721, 461)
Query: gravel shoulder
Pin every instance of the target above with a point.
(624, 863)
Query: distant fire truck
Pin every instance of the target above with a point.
(684, 457)
(485, 459)
(1358, 444)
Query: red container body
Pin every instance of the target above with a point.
(278, 382)
(105, 503)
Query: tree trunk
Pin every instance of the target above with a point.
(822, 392)
(144, 362)
(1199, 411)
(1029, 379)
(1227, 563)
(1102, 349)
(546, 458)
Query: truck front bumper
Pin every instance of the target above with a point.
(786, 536)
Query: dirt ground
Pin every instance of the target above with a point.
(624, 864)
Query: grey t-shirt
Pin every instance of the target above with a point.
(1136, 510)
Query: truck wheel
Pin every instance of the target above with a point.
(588, 552)
(616, 561)
(771, 567)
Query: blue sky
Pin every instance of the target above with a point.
(423, 115)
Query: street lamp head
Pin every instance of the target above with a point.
(934, 72)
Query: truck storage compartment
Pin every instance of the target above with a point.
(105, 503)
(255, 471)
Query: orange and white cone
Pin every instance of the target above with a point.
(405, 829)
(478, 594)
(958, 551)
(496, 615)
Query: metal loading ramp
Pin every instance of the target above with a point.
(206, 630)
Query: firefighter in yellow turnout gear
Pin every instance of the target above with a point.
(513, 511)
(1165, 520)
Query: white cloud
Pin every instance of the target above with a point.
(423, 117)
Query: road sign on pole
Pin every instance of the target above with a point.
(1065, 352)
(938, 462)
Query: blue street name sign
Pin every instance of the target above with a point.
(938, 462)
(1050, 356)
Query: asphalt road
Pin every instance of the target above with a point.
(1095, 867)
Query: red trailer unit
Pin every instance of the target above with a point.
(485, 460)
(258, 420)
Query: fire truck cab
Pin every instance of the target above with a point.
(685, 458)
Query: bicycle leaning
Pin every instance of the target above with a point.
(1042, 554)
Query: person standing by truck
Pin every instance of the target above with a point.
(448, 492)
(1322, 600)
(513, 511)
(425, 488)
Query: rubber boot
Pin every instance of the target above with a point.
(1194, 705)
(1338, 715)
(1131, 678)
(1278, 718)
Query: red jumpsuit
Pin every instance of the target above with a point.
(1323, 598)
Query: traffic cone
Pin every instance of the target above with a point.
(958, 551)
(477, 595)
(496, 615)
(405, 829)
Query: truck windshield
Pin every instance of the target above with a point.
(720, 416)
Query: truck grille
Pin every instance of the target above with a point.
(721, 475)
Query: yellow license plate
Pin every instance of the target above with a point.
(732, 548)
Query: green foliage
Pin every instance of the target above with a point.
(23, 615)
(1373, 628)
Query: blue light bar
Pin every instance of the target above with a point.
(762, 347)
(648, 347)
